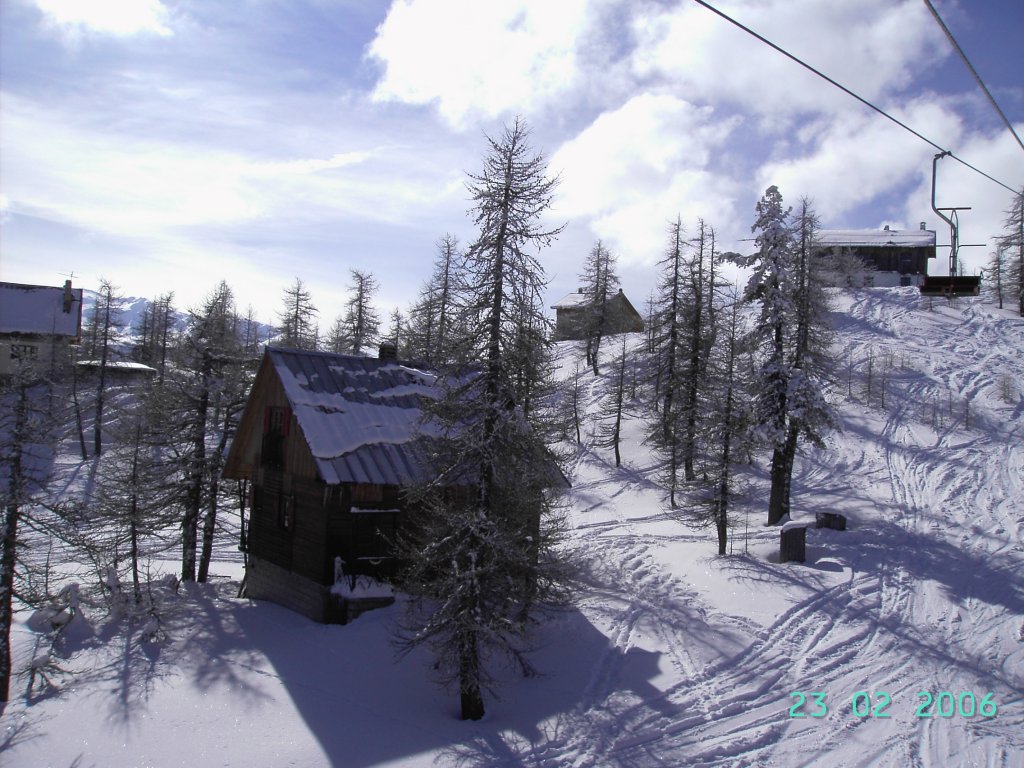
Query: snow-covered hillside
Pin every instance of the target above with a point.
(670, 655)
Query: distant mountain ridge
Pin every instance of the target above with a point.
(133, 308)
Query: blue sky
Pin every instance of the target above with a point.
(166, 145)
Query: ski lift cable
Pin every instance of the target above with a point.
(846, 90)
(977, 77)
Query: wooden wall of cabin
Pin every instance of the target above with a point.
(364, 540)
(288, 523)
(302, 525)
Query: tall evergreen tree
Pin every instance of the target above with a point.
(698, 324)
(481, 565)
(726, 422)
(995, 275)
(153, 333)
(614, 406)
(599, 285)
(298, 318)
(362, 321)
(105, 325)
(27, 438)
(666, 357)
(792, 318)
(135, 494)
(1012, 243)
(211, 390)
(434, 335)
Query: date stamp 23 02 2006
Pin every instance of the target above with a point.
(876, 704)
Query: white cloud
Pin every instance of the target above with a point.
(882, 45)
(478, 58)
(114, 17)
(637, 166)
(139, 187)
(853, 158)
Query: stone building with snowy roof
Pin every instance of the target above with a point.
(876, 257)
(38, 324)
(571, 312)
(325, 444)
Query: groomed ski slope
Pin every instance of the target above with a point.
(671, 655)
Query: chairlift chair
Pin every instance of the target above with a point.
(952, 284)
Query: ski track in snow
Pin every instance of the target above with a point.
(932, 599)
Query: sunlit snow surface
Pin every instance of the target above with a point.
(670, 655)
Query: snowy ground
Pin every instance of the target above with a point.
(671, 655)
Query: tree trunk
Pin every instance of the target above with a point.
(721, 520)
(197, 469)
(782, 476)
(133, 519)
(778, 500)
(8, 546)
(9, 541)
(210, 522)
(472, 699)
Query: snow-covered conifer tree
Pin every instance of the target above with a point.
(482, 558)
(788, 335)
(1012, 243)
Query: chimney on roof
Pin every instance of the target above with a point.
(886, 227)
(387, 351)
(579, 291)
(69, 297)
(922, 226)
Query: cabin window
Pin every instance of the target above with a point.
(24, 352)
(364, 493)
(276, 421)
(373, 539)
(273, 508)
(285, 512)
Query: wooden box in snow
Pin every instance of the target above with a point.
(832, 520)
(793, 543)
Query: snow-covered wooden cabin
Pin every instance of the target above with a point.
(38, 324)
(325, 443)
(876, 257)
(570, 316)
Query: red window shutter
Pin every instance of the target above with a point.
(286, 422)
(266, 420)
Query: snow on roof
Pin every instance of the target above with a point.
(39, 309)
(574, 299)
(902, 238)
(119, 365)
(358, 414)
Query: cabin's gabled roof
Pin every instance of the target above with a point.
(359, 415)
(574, 299)
(580, 299)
